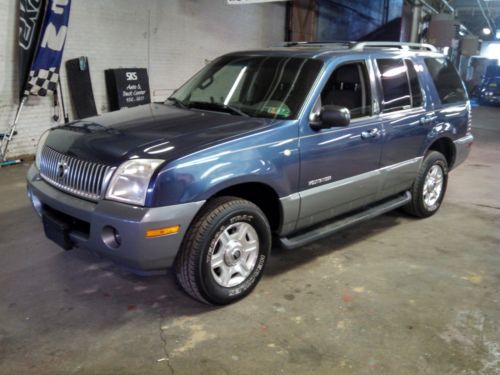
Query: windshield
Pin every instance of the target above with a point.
(258, 86)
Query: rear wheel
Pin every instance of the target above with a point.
(430, 186)
(225, 250)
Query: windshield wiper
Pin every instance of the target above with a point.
(218, 106)
(177, 102)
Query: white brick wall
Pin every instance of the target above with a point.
(172, 38)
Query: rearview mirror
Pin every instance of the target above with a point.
(332, 115)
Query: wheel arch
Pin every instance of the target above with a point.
(260, 194)
(445, 146)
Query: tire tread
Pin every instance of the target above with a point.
(186, 263)
(413, 207)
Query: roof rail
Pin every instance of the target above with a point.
(359, 46)
(317, 44)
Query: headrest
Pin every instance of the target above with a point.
(347, 74)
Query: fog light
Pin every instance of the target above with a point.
(163, 231)
(111, 237)
(35, 202)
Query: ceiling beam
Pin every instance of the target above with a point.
(488, 21)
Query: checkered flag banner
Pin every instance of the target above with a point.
(44, 73)
(42, 81)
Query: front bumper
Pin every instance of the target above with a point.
(462, 149)
(136, 252)
(493, 99)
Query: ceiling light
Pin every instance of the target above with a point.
(486, 31)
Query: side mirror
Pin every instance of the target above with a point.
(332, 115)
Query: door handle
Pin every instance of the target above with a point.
(427, 119)
(373, 133)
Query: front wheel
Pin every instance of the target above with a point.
(430, 186)
(225, 250)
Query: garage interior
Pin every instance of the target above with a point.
(392, 295)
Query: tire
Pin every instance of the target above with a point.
(214, 265)
(423, 203)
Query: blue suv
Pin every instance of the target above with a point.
(489, 91)
(289, 144)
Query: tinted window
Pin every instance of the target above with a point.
(448, 83)
(416, 91)
(348, 87)
(260, 86)
(395, 86)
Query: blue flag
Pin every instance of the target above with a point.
(44, 73)
(31, 14)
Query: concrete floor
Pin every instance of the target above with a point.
(391, 296)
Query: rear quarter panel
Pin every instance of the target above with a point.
(451, 119)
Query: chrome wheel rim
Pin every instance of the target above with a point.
(235, 254)
(433, 186)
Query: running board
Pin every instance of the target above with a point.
(332, 227)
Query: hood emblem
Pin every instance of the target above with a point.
(62, 169)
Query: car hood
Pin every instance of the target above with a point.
(154, 131)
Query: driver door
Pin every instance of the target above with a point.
(339, 169)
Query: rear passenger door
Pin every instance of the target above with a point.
(406, 119)
(338, 170)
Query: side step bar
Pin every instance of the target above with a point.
(332, 227)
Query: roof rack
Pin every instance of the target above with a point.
(360, 46)
(318, 44)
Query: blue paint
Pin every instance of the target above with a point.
(206, 151)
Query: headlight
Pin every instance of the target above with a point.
(39, 148)
(130, 181)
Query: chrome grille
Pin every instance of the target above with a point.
(79, 177)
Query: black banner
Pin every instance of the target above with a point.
(80, 87)
(31, 14)
(127, 87)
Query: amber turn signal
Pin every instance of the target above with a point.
(163, 231)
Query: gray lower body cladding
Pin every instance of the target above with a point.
(339, 197)
(136, 252)
(462, 149)
(145, 255)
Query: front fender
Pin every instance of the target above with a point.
(271, 158)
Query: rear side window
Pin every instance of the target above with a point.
(395, 87)
(446, 79)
